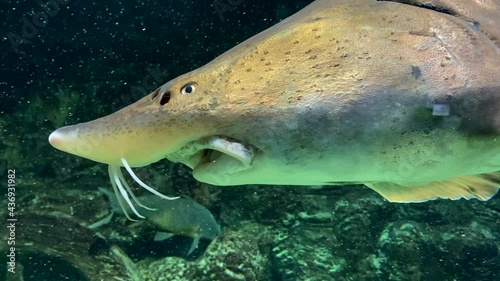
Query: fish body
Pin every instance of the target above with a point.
(182, 216)
(402, 97)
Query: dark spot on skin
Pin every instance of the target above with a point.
(423, 33)
(416, 72)
(249, 69)
(308, 51)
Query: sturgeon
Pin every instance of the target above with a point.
(402, 96)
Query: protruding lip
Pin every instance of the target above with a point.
(211, 149)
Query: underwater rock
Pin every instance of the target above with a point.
(369, 239)
(240, 254)
(401, 252)
(414, 251)
(357, 222)
(53, 241)
(51, 247)
(306, 254)
(469, 252)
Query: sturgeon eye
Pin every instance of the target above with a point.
(188, 89)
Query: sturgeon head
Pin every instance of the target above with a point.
(403, 96)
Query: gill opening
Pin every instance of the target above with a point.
(124, 193)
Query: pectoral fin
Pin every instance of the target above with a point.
(102, 222)
(481, 187)
(194, 244)
(160, 236)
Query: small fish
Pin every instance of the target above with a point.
(402, 96)
(182, 216)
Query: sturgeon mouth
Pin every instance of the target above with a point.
(218, 154)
